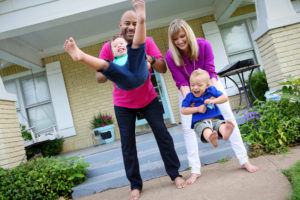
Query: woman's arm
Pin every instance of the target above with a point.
(221, 99)
(192, 110)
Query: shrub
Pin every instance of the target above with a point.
(259, 85)
(47, 148)
(273, 126)
(25, 134)
(276, 128)
(43, 178)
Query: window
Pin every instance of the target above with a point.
(34, 106)
(238, 42)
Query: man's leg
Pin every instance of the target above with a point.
(140, 30)
(126, 121)
(78, 55)
(154, 116)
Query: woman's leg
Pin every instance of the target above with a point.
(235, 138)
(191, 144)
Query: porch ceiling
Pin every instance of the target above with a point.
(37, 31)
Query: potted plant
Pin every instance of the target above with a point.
(103, 126)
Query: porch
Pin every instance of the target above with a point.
(106, 169)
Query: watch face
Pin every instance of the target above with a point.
(153, 60)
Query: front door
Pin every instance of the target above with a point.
(157, 84)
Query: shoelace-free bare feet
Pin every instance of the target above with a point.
(192, 179)
(249, 167)
(135, 194)
(180, 182)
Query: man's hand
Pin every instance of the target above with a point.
(100, 78)
(159, 65)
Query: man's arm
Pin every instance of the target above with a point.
(158, 64)
(100, 78)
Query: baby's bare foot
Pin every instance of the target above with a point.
(192, 178)
(72, 49)
(135, 194)
(249, 167)
(213, 139)
(179, 182)
(229, 126)
(139, 6)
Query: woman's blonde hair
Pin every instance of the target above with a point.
(174, 28)
(199, 72)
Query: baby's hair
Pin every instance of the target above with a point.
(116, 37)
(199, 72)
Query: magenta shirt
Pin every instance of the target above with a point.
(181, 74)
(139, 97)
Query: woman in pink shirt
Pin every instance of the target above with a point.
(187, 53)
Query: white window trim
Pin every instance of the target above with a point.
(60, 101)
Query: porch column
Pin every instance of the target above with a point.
(278, 39)
(12, 150)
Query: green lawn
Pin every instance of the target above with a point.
(293, 175)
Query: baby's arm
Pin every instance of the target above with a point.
(192, 110)
(221, 99)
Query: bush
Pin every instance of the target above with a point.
(273, 126)
(43, 178)
(259, 86)
(47, 148)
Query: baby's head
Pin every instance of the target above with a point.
(118, 46)
(199, 82)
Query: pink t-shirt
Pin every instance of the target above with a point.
(139, 97)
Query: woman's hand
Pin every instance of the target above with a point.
(209, 101)
(202, 108)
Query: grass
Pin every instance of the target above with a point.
(223, 160)
(293, 175)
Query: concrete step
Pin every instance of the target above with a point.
(107, 171)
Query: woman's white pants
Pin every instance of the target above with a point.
(191, 142)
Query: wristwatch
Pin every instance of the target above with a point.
(153, 60)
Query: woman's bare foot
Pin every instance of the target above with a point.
(179, 182)
(229, 126)
(213, 139)
(192, 178)
(72, 49)
(135, 194)
(249, 167)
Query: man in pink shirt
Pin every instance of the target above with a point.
(127, 103)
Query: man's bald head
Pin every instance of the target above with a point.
(127, 25)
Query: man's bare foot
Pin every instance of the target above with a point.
(139, 6)
(249, 167)
(72, 49)
(192, 178)
(179, 182)
(135, 194)
(213, 139)
(229, 126)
